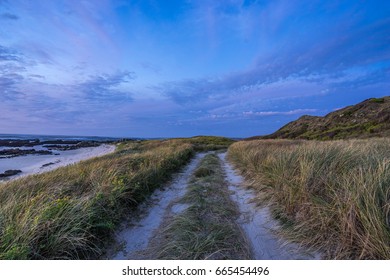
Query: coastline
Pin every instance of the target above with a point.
(36, 164)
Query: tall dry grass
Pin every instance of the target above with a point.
(332, 196)
(71, 212)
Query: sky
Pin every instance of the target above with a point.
(177, 68)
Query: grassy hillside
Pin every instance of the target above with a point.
(333, 196)
(370, 118)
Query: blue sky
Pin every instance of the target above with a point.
(148, 68)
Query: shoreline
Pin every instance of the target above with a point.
(37, 164)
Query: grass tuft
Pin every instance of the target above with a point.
(203, 172)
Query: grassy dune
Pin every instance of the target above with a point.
(70, 212)
(333, 196)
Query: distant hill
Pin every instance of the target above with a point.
(370, 118)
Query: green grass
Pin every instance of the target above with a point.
(333, 196)
(71, 212)
(338, 132)
(377, 100)
(208, 143)
(207, 228)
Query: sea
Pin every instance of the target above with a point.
(55, 137)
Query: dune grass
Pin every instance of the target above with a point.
(70, 213)
(333, 196)
(207, 229)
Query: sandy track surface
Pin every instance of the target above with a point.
(134, 238)
(137, 234)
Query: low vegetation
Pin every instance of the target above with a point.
(69, 213)
(370, 118)
(333, 196)
(208, 143)
(207, 228)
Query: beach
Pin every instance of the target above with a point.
(34, 164)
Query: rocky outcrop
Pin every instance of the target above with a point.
(9, 173)
(67, 147)
(9, 153)
(55, 144)
(19, 143)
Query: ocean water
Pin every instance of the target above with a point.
(55, 137)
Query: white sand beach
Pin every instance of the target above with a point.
(34, 164)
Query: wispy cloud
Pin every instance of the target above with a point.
(323, 58)
(9, 54)
(8, 16)
(9, 87)
(89, 103)
(150, 67)
(276, 113)
(104, 88)
(212, 67)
